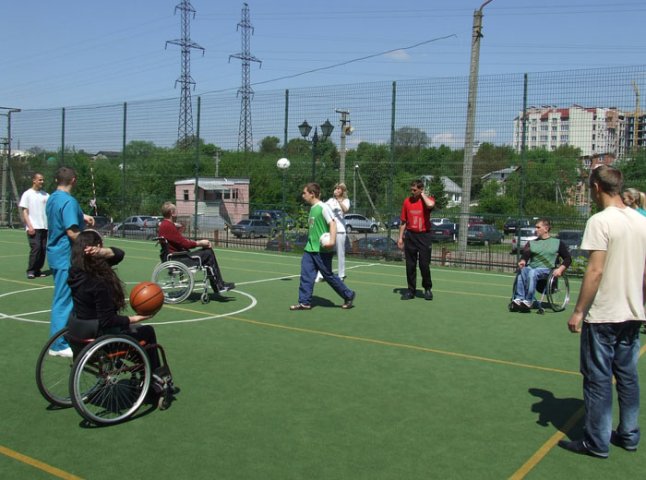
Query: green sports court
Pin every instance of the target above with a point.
(456, 388)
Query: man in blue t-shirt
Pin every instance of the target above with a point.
(65, 221)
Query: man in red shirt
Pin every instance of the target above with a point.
(178, 243)
(415, 239)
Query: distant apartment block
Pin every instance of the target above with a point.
(593, 130)
(635, 131)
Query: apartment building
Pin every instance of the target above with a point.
(594, 130)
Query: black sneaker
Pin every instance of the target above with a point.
(617, 441)
(428, 294)
(226, 286)
(577, 446)
(407, 295)
(348, 303)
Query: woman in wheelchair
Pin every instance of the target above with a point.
(98, 296)
(176, 242)
(538, 259)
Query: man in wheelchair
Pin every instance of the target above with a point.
(176, 242)
(538, 259)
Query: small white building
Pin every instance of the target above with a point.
(453, 190)
(499, 176)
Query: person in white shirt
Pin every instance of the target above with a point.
(608, 314)
(32, 205)
(340, 204)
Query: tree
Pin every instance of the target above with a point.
(411, 137)
(270, 145)
(436, 188)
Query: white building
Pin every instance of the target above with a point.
(592, 130)
(453, 190)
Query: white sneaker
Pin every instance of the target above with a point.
(66, 352)
(527, 303)
(319, 279)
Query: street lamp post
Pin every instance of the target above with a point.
(326, 130)
(346, 129)
(283, 165)
(5, 165)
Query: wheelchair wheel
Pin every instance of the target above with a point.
(110, 379)
(175, 280)
(558, 292)
(53, 374)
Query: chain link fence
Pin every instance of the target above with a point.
(536, 136)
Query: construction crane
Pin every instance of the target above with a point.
(636, 119)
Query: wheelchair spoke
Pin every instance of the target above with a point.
(111, 380)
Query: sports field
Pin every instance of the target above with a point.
(456, 388)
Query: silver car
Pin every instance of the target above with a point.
(358, 223)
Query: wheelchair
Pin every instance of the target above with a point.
(555, 293)
(108, 379)
(176, 274)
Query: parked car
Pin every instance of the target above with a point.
(134, 231)
(102, 224)
(251, 228)
(294, 241)
(394, 222)
(572, 238)
(475, 221)
(443, 230)
(358, 223)
(274, 218)
(146, 221)
(513, 224)
(377, 247)
(484, 233)
(526, 235)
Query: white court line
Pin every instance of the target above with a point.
(254, 302)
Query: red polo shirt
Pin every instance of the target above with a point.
(416, 215)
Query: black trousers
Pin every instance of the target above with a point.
(417, 250)
(87, 329)
(37, 251)
(207, 256)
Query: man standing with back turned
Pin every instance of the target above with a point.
(611, 309)
(415, 239)
(66, 220)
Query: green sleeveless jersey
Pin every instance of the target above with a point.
(544, 252)
(318, 223)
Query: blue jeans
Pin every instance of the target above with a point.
(526, 282)
(609, 349)
(311, 263)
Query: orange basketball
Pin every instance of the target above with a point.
(146, 298)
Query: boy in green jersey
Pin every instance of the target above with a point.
(317, 257)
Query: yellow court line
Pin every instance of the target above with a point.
(547, 446)
(38, 464)
(402, 345)
(553, 440)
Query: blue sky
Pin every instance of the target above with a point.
(70, 53)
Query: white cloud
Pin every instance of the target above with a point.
(399, 55)
(449, 139)
(487, 135)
